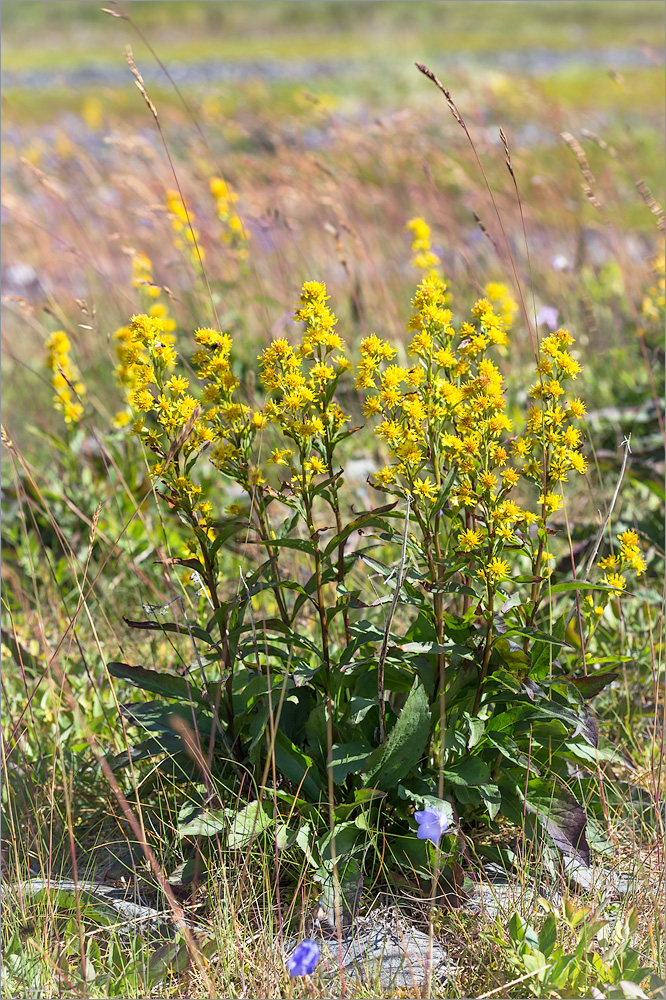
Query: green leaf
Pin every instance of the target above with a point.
(562, 816)
(348, 758)
(347, 835)
(287, 526)
(170, 685)
(296, 766)
(226, 530)
(508, 748)
(249, 823)
(476, 727)
(548, 935)
(157, 717)
(535, 633)
(406, 742)
(189, 630)
(492, 797)
(469, 771)
(307, 844)
(206, 824)
(300, 544)
(445, 489)
(592, 684)
(284, 836)
(542, 653)
(560, 588)
(362, 520)
(362, 797)
(152, 747)
(512, 655)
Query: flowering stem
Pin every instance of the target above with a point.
(487, 649)
(272, 553)
(536, 572)
(335, 505)
(381, 693)
(321, 609)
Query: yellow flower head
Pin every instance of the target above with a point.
(425, 489)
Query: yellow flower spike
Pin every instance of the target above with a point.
(498, 569)
(425, 489)
(65, 377)
(615, 580)
(470, 539)
(315, 466)
(142, 399)
(178, 384)
(281, 456)
(551, 501)
(372, 406)
(235, 510)
(487, 481)
(577, 408)
(386, 475)
(121, 419)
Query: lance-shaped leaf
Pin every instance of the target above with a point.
(249, 822)
(391, 761)
(191, 630)
(170, 685)
(363, 520)
(153, 747)
(592, 684)
(561, 815)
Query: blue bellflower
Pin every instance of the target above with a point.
(432, 824)
(303, 959)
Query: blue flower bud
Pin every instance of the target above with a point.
(303, 959)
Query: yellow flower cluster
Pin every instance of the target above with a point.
(228, 424)
(66, 380)
(448, 407)
(446, 414)
(142, 274)
(423, 257)
(628, 558)
(302, 382)
(176, 425)
(168, 417)
(234, 233)
(653, 302)
(182, 223)
(133, 360)
(550, 447)
(503, 301)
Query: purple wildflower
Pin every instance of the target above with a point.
(303, 959)
(432, 824)
(548, 316)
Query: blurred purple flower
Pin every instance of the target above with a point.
(548, 316)
(432, 824)
(303, 959)
(560, 262)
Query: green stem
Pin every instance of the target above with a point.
(321, 609)
(486, 651)
(335, 505)
(258, 504)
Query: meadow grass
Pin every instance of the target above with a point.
(326, 178)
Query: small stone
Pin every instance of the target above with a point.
(383, 951)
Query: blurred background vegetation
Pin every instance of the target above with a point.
(332, 140)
